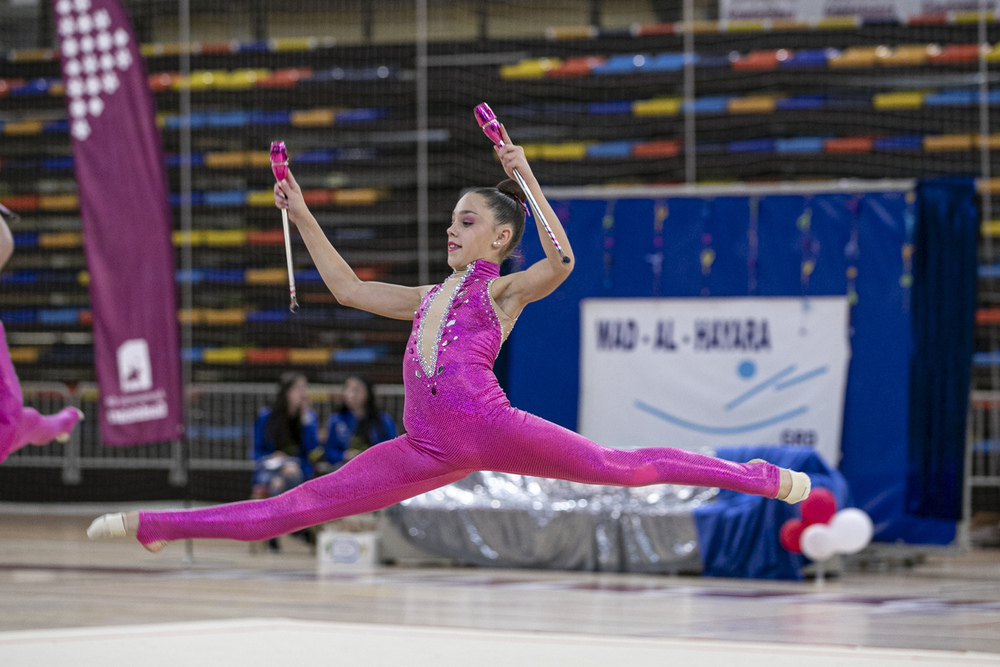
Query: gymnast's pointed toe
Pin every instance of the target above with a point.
(108, 527)
(798, 488)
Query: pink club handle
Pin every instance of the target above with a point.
(279, 160)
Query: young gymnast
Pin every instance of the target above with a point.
(457, 418)
(20, 426)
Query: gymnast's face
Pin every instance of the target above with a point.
(472, 233)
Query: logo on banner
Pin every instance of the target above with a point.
(135, 369)
(94, 56)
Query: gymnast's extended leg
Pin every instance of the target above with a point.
(522, 443)
(378, 477)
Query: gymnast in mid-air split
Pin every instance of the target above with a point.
(21, 426)
(457, 418)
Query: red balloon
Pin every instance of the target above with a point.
(819, 507)
(790, 533)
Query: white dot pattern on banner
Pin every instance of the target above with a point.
(93, 49)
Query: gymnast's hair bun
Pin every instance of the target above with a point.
(511, 188)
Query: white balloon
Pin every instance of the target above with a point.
(817, 542)
(852, 530)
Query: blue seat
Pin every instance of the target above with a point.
(799, 145)
(806, 58)
(622, 64)
(610, 149)
(910, 142)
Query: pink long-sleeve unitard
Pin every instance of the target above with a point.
(457, 421)
(20, 426)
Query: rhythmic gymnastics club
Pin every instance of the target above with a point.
(491, 126)
(9, 213)
(279, 166)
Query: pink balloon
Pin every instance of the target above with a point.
(819, 507)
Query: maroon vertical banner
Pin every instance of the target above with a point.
(127, 229)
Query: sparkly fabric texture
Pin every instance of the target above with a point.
(457, 420)
(20, 426)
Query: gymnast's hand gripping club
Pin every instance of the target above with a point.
(491, 126)
(279, 166)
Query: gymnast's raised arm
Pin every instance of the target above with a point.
(395, 301)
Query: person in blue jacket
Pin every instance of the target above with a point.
(357, 424)
(284, 436)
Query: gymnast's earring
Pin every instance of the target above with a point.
(496, 243)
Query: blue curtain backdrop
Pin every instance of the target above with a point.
(860, 245)
(944, 304)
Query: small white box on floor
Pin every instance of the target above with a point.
(347, 551)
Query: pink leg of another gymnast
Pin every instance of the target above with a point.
(20, 426)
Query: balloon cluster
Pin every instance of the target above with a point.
(823, 531)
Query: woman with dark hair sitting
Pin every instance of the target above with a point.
(357, 424)
(284, 435)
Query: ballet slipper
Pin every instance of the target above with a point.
(110, 526)
(795, 486)
(64, 437)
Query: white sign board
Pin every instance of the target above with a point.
(697, 373)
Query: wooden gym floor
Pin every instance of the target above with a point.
(67, 601)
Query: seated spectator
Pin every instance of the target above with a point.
(357, 424)
(284, 436)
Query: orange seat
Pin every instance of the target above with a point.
(757, 61)
(657, 149)
(955, 53)
(577, 66)
(848, 145)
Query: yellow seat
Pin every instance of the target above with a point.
(754, 104)
(312, 118)
(308, 356)
(855, 56)
(224, 355)
(226, 237)
(265, 276)
(904, 56)
(949, 142)
(535, 68)
(658, 106)
(900, 100)
(568, 151)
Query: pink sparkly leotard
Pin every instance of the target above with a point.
(457, 421)
(20, 426)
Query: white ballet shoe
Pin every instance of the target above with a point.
(108, 527)
(64, 437)
(795, 485)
